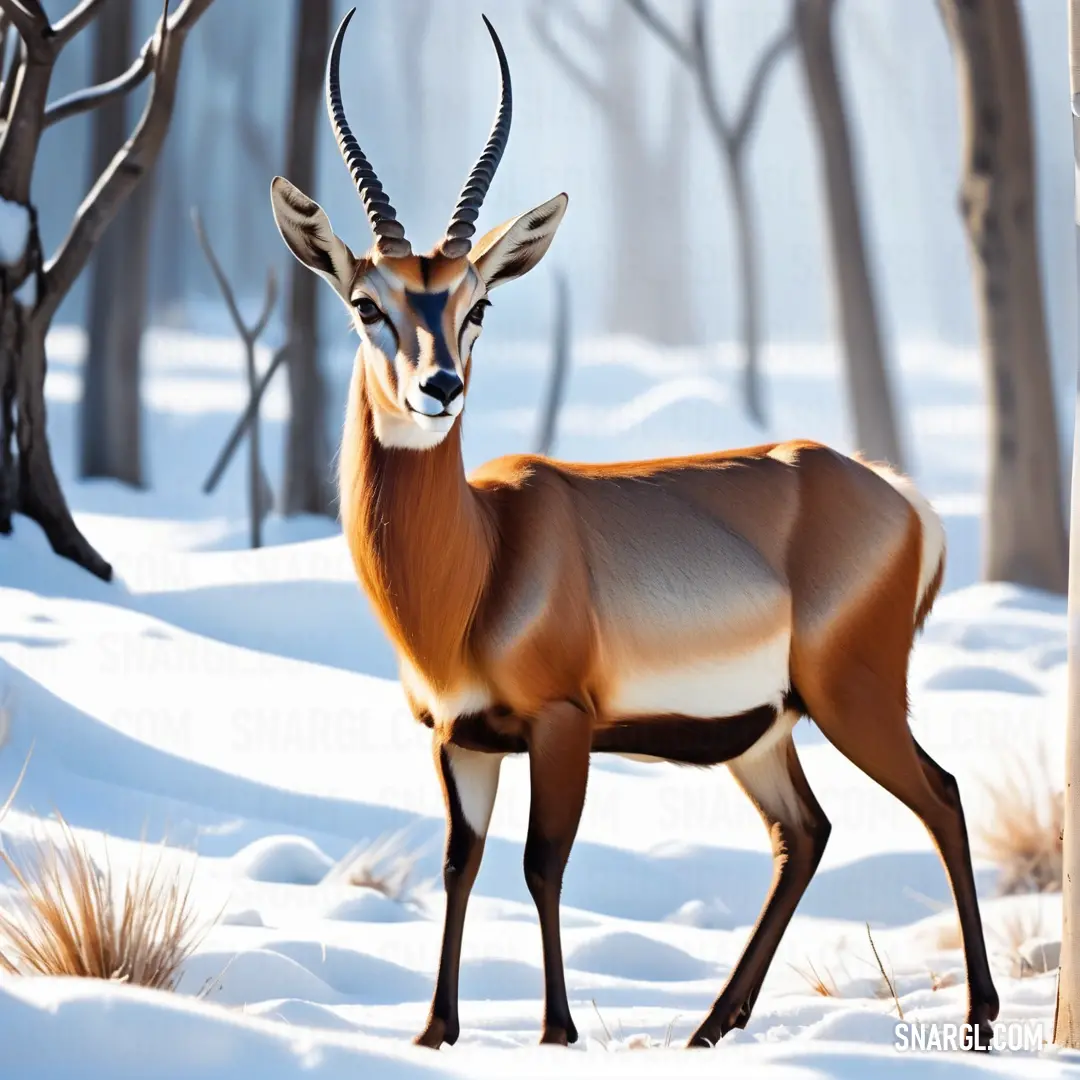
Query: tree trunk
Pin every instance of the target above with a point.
(870, 396)
(308, 480)
(412, 25)
(40, 496)
(1024, 528)
(1067, 1011)
(648, 219)
(560, 366)
(109, 414)
(168, 262)
(31, 289)
(749, 303)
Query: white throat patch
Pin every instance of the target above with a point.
(395, 432)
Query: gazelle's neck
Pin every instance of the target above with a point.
(419, 538)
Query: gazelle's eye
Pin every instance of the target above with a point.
(368, 311)
(476, 315)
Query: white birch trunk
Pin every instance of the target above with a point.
(1067, 1013)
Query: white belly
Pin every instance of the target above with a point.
(713, 687)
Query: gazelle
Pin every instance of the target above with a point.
(688, 610)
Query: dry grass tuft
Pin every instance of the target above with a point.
(941, 982)
(890, 987)
(1014, 930)
(824, 986)
(69, 920)
(1024, 833)
(387, 865)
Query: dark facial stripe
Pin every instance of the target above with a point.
(431, 307)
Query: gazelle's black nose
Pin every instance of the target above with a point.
(443, 386)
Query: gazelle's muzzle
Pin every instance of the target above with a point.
(435, 400)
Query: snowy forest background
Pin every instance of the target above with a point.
(420, 80)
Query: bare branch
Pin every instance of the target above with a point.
(129, 165)
(592, 88)
(227, 293)
(585, 27)
(241, 426)
(7, 91)
(701, 65)
(83, 100)
(560, 363)
(77, 20)
(27, 16)
(664, 31)
(766, 65)
(268, 305)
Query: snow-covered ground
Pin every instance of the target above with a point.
(242, 705)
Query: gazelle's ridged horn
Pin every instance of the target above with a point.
(457, 241)
(389, 232)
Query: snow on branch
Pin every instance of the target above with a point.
(83, 100)
(77, 20)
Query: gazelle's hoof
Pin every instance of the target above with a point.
(435, 1034)
(559, 1036)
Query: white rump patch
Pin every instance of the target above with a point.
(476, 778)
(443, 707)
(763, 772)
(717, 687)
(933, 532)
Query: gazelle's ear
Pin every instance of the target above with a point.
(305, 228)
(516, 246)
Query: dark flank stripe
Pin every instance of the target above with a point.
(684, 740)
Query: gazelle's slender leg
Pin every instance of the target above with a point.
(559, 746)
(951, 837)
(798, 830)
(886, 751)
(469, 781)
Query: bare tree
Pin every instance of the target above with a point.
(308, 480)
(260, 499)
(731, 135)
(249, 416)
(168, 248)
(1024, 528)
(871, 399)
(33, 286)
(232, 132)
(110, 413)
(1067, 1010)
(560, 367)
(644, 229)
(412, 27)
